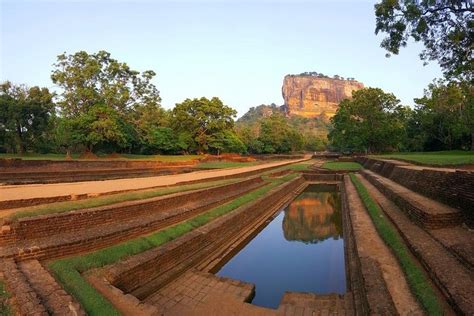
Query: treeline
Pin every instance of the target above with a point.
(375, 121)
(103, 106)
(275, 134)
(321, 75)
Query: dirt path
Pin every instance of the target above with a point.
(370, 244)
(29, 191)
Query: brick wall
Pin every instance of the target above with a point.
(454, 188)
(21, 165)
(164, 263)
(56, 224)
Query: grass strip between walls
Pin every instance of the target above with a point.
(415, 276)
(61, 207)
(68, 271)
(341, 165)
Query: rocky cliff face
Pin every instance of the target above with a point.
(312, 96)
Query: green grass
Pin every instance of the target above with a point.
(335, 165)
(224, 164)
(166, 158)
(68, 271)
(302, 166)
(417, 280)
(437, 158)
(5, 309)
(66, 206)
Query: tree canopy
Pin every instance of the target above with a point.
(90, 79)
(25, 116)
(372, 121)
(443, 118)
(206, 124)
(446, 28)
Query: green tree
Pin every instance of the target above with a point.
(94, 85)
(205, 121)
(100, 127)
(372, 121)
(25, 115)
(446, 29)
(250, 139)
(313, 143)
(277, 136)
(90, 79)
(444, 116)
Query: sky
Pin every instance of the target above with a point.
(238, 51)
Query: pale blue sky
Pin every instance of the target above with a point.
(236, 50)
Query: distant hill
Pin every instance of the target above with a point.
(308, 126)
(316, 95)
(310, 100)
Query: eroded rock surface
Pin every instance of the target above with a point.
(312, 96)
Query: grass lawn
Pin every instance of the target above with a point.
(438, 158)
(69, 271)
(301, 166)
(166, 158)
(418, 282)
(225, 164)
(334, 165)
(66, 206)
(5, 310)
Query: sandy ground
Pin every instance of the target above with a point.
(29, 191)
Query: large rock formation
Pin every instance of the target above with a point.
(313, 96)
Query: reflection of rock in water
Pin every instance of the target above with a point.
(313, 217)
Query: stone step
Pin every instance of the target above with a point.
(459, 240)
(294, 303)
(25, 300)
(424, 211)
(51, 294)
(454, 280)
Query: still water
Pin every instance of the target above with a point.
(300, 250)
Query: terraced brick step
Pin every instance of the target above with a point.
(459, 241)
(62, 223)
(455, 281)
(293, 304)
(374, 273)
(423, 211)
(452, 187)
(26, 300)
(51, 294)
(194, 288)
(86, 175)
(139, 275)
(122, 229)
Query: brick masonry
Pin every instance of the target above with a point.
(119, 228)
(164, 263)
(454, 280)
(367, 284)
(423, 211)
(56, 224)
(24, 298)
(454, 188)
